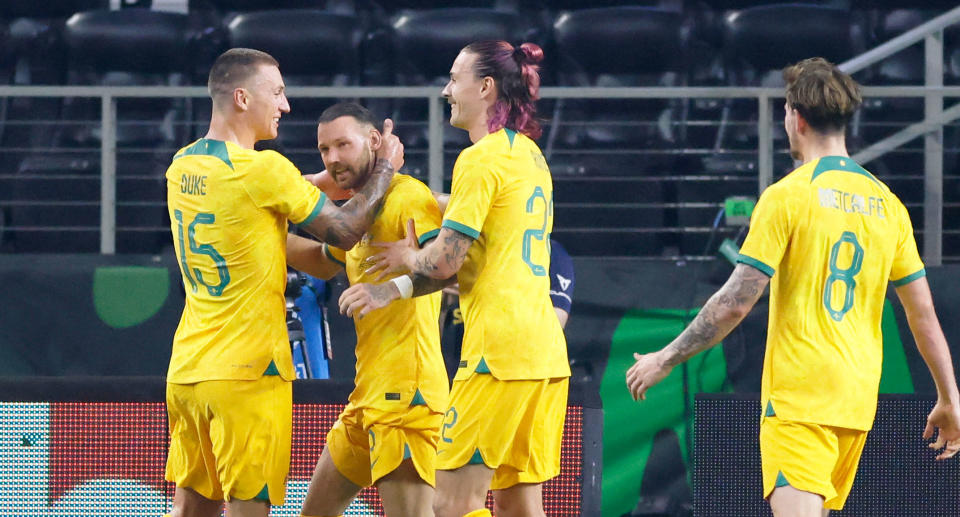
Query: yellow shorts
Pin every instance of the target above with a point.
(367, 444)
(513, 427)
(231, 439)
(810, 457)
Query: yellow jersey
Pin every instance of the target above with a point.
(831, 236)
(399, 362)
(229, 208)
(502, 197)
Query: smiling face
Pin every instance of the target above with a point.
(346, 147)
(465, 92)
(266, 102)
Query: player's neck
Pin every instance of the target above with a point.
(478, 130)
(816, 148)
(230, 130)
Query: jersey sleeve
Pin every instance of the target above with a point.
(471, 196)
(907, 265)
(274, 183)
(335, 254)
(562, 278)
(420, 205)
(769, 232)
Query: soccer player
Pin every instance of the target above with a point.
(387, 435)
(562, 280)
(505, 422)
(827, 237)
(229, 397)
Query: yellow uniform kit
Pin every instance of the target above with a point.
(397, 406)
(831, 236)
(513, 369)
(230, 425)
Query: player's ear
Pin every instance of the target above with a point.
(375, 138)
(488, 87)
(801, 123)
(240, 98)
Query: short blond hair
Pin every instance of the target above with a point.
(234, 67)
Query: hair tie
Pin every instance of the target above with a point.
(519, 55)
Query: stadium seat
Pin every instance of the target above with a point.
(609, 47)
(130, 47)
(314, 48)
(425, 43)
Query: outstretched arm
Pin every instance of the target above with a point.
(344, 226)
(307, 255)
(360, 299)
(439, 259)
(922, 318)
(722, 312)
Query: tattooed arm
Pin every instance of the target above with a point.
(722, 312)
(359, 299)
(344, 226)
(439, 259)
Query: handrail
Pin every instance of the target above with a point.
(763, 95)
(912, 36)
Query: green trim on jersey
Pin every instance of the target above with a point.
(511, 134)
(316, 209)
(208, 147)
(840, 163)
(482, 367)
(750, 261)
(769, 411)
(326, 251)
(264, 494)
(781, 480)
(476, 459)
(462, 228)
(271, 369)
(418, 399)
(427, 236)
(406, 452)
(910, 278)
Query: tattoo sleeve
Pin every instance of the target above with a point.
(425, 285)
(443, 257)
(722, 312)
(343, 227)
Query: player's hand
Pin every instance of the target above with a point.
(359, 299)
(324, 181)
(396, 257)
(646, 372)
(945, 419)
(391, 148)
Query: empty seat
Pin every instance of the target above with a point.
(131, 47)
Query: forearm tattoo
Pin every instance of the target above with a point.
(722, 312)
(343, 227)
(450, 251)
(425, 285)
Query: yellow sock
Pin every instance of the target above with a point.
(479, 513)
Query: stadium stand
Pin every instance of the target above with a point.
(633, 176)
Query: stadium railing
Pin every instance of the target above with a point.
(758, 166)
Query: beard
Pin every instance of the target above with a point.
(355, 175)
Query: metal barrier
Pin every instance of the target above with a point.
(932, 227)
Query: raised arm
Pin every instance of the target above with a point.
(307, 255)
(922, 318)
(344, 226)
(721, 314)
